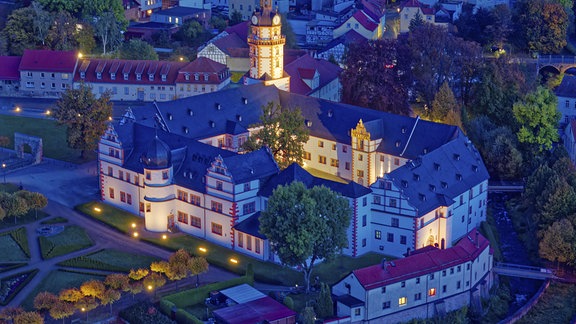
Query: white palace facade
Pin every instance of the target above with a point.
(410, 183)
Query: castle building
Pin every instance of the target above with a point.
(410, 183)
(266, 49)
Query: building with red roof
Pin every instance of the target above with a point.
(368, 22)
(152, 80)
(314, 77)
(427, 283)
(9, 74)
(433, 12)
(47, 73)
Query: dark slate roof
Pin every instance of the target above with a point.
(210, 114)
(157, 155)
(190, 158)
(349, 301)
(251, 226)
(296, 173)
(567, 88)
(240, 29)
(440, 176)
(250, 166)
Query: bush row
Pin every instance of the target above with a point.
(85, 261)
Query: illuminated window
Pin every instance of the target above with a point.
(111, 193)
(432, 292)
(216, 206)
(402, 301)
(194, 200)
(148, 207)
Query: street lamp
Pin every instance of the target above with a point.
(4, 169)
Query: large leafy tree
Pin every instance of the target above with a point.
(85, 117)
(19, 31)
(137, 49)
(283, 131)
(95, 8)
(538, 119)
(62, 35)
(305, 225)
(71, 6)
(541, 25)
(372, 78)
(108, 29)
(42, 21)
(557, 242)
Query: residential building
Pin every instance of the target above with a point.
(410, 9)
(46, 73)
(314, 77)
(369, 22)
(320, 32)
(566, 94)
(9, 75)
(441, 13)
(337, 47)
(148, 30)
(369, 156)
(266, 49)
(151, 80)
(147, 7)
(245, 7)
(429, 282)
(199, 4)
(230, 50)
(178, 15)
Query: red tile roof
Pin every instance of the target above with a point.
(240, 29)
(217, 72)
(48, 61)
(420, 264)
(365, 21)
(232, 41)
(304, 67)
(260, 310)
(90, 66)
(9, 67)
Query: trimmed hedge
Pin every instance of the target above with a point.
(20, 236)
(195, 296)
(20, 286)
(165, 306)
(5, 267)
(183, 317)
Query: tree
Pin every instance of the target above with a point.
(235, 17)
(137, 49)
(557, 242)
(135, 288)
(95, 8)
(13, 204)
(62, 310)
(109, 297)
(86, 304)
(283, 132)
(160, 266)
(138, 274)
(198, 266)
(42, 21)
(560, 204)
(94, 288)
(308, 316)
(34, 200)
(85, 116)
(191, 32)
(288, 33)
(28, 318)
(71, 6)
(325, 305)
(118, 281)
(444, 102)
(373, 79)
(9, 313)
(305, 225)
(44, 300)
(538, 119)
(154, 280)
(62, 35)
(19, 31)
(416, 22)
(108, 29)
(541, 25)
(218, 23)
(71, 295)
(85, 38)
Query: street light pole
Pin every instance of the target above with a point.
(4, 169)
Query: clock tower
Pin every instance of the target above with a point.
(266, 44)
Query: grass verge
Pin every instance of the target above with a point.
(52, 137)
(14, 246)
(73, 238)
(116, 218)
(110, 260)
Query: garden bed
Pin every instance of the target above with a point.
(14, 246)
(73, 238)
(110, 260)
(11, 286)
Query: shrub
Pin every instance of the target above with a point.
(183, 317)
(165, 307)
(288, 302)
(144, 313)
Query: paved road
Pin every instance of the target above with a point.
(65, 186)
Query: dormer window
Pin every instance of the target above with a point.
(125, 76)
(458, 177)
(113, 76)
(444, 185)
(404, 183)
(205, 77)
(436, 166)
(187, 76)
(164, 77)
(151, 77)
(196, 77)
(98, 75)
(138, 76)
(82, 75)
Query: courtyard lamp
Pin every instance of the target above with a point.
(4, 169)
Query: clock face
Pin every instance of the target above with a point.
(276, 20)
(254, 20)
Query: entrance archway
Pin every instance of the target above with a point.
(35, 144)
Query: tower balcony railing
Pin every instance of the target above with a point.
(276, 40)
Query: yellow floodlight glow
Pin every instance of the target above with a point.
(48, 112)
(133, 225)
(79, 55)
(164, 236)
(149, 287)
(135, 234)
(97, 209)
(232, 260)
(18, 109)
(202, 249)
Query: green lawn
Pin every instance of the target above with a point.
(119, 219)
(53, 137)
(73, 238)
(110, 260)
(56, 281)
(55, 220)
(10, 251)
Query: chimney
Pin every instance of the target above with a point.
(477, 240)
(384, 264)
